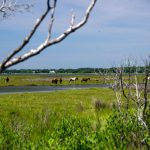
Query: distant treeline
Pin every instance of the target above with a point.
(133, 69)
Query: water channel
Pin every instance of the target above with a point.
(24, 89)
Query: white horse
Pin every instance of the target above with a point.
(73, 79)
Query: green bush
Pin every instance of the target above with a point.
(124, 131)
(73, 133)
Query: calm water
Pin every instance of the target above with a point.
(22, 89)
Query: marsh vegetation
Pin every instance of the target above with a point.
(71, 119)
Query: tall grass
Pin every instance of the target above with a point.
(73, 119)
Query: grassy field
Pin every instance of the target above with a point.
(21, 80)
(44, 80)
(79, 103)
(70, 119)
(32, 115)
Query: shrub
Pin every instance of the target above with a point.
(99, 105)
(124, 132)
(73, 133)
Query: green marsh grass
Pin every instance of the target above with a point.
(35, 80)
(33, 116)
(73, 102)
(71, 119)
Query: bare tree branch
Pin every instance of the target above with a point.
(133, 91)
(147, 71)
(27, 39)
(51, 20)
(9, 61)
(9, 7)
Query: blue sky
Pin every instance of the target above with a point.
(116, 29)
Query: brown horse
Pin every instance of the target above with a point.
(56, 80)
(60, 80)
(7, 80)
(85, 79)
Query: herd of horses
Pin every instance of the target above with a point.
(59, 80)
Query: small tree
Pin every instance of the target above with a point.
(49, 41)
(132, 96)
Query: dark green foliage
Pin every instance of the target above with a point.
(71, 133)
(124, 131)
(148, 117)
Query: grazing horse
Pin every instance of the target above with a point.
(54, 81)
(7, 80)
(73, 79)
(60, 80)
(85, 79)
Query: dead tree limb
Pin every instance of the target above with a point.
(10, 7)
(11, 60)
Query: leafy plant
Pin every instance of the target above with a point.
(124, 132)
(72, 133)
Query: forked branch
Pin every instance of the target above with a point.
(10, 61)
